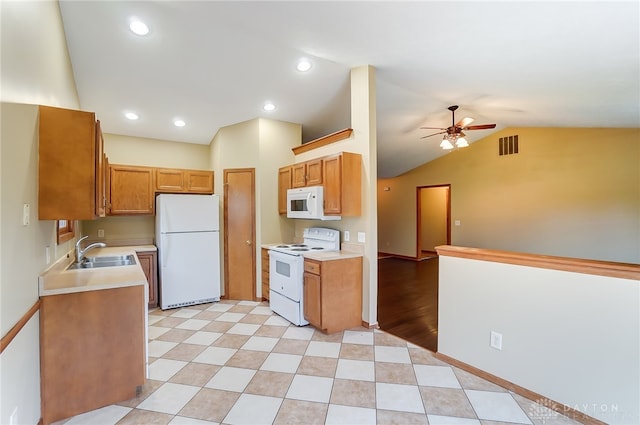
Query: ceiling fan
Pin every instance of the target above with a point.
(454, 135)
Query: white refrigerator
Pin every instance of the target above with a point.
(188, 241)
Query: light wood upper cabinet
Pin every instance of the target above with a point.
(174, 180)
(314, 172)
(131, 190)
(284, 184)
(299, 175)
(332, 293)
(307, 173)
(101, 171)
(340, 175)
(70, 151)
(343, 184)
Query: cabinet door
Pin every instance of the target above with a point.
(314, 172)
(148, 262)
(299, 175)
(169, 180)
(199, 181)
(66, 164)
(131, 190)
(101, 201)
(265, 273)
(284, 184)
(333, 184)
(313, 299)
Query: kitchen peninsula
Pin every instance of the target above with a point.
(93, 334)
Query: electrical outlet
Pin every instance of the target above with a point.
(361, 237)
(346, 235)
(457, 222)
(496, 340)
(47, 255)
(101, 233)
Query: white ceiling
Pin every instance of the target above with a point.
(215, 63)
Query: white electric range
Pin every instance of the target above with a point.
(286, 270)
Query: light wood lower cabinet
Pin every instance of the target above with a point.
(333, 293)
(265, 273)
(92, 350)
(149, 263)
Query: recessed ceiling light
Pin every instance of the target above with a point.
(179, 123)
(303, 65)
(139, 27)
(131, 116)
(269, 107)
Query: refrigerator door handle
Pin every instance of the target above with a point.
(165, 250)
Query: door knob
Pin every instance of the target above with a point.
(248, 242)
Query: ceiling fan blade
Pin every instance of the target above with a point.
(479, 127)
(464, 122)
(433, 128)
(434, 134)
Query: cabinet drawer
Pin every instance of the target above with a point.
(311, 267)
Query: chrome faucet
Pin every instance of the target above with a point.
(80, 253)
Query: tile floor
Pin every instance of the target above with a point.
(235, 362)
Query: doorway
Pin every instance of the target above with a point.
(239, 234)
(434, 219)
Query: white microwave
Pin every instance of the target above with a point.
(308, 203)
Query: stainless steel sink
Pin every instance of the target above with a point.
(106, 261)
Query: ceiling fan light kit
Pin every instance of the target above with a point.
(453, 135)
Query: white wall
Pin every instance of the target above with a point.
(571, 337)
(36, 70)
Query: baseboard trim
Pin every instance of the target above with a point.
(540, 399)
(402, 257)
(15, 330)
(368, 325)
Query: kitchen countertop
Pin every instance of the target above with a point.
(57, 280)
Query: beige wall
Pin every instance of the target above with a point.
(571, 337)
(571, 192)
(362, 141)
(35, 70)
(264, 145)
(130, 150)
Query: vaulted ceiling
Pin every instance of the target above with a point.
(216, 63)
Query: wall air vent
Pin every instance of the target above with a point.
(508, 145)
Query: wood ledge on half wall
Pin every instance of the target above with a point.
(323, 141)
(576, 265)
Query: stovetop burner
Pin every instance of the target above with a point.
(315, 239)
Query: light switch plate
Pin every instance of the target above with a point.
(26, 211)
(361, 237)
(346, 235)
